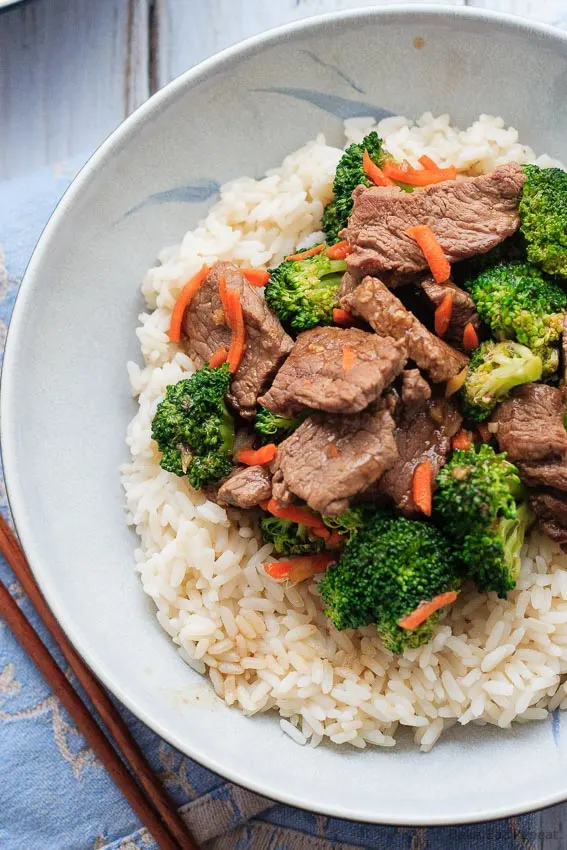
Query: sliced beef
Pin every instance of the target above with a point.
(416, 392)
(544, 473)
(340, 370)
(329, 459)
(246, 487)
(425, 436)
(205, 330)
(530, 424)
(374, 302)
(551, 511)
(468, 216)
(464, 310)
(348, 284)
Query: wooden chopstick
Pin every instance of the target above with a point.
(177, 834)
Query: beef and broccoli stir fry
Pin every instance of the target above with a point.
(390, 403)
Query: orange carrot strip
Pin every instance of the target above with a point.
(339, 251)
(321, 531)
(256, 277)
(333, 450)
(348, 357)
(236, 322)
(303, 516)
(342, 317)
(428, 163)
(432, 251)
(462, 440)
(300, 568)
(218, 358)
(418, 177)
(257, 457)
(191, 287)
(278, 569)
(309, 253)
(443, 314)
(425, 609)
(485, 434)
(421, 486)
(470, 338)
(374, 174)
(222, 296)
(455, 383)
(335, 541)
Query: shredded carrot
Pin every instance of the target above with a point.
(418, 177)
(443, 314)
(303, 516)
(256, 277)
(432, 251)
(218, 358)
(485, 434)
(333, 450)
(425, 609)
(470, 338)
(189, 290)
(373, 172)
(309, 253)
(339, 251)
(348, 357)
(455, 383)
(335, 541)
(321, 531)
(300, 568)
(342, 317)
(462, 440)
(428, 163)
(421, 486)
(257, 457)
(236, 322)
(222, 296)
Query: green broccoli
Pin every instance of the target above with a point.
(193, 428)
(385, 572)
(350, 523)
(517, 301)
(290, 538)
(543, 218)
(480, 504)
(273, 428)
(302, 293)
(493, 370)
(348, 176)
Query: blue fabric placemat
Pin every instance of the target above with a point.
(55, 795)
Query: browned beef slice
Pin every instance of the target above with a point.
(530, 424)
(468, 216)
(314, 374)
(416, 392)
(387, 315)
(544, 473)
(329, 459)
(551, 511)
(464, 310)
(426, 436)
(267, 344)
(349, 283)
(246, 487)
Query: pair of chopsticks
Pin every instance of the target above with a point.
(154, 808)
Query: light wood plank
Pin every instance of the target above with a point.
(69, 73)
(188, 32)
(545, 11)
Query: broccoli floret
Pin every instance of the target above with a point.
(273, 428)
(350, 523)
(290, 538)
(385, 572)
(493, 370)
(348, 176)
(302, 293)
(517, 301)
(480, 504)
(543, 218)
(193, 428)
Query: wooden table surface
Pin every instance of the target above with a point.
(72, 70)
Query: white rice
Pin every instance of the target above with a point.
(267, 645)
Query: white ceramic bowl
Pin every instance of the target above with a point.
(66, 402)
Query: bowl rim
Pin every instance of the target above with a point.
(32, 278)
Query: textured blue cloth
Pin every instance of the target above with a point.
(54, 794)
